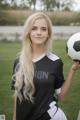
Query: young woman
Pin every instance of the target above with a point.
(38, 74)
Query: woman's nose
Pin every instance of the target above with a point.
(38, 31)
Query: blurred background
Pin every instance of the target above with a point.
(65, 17)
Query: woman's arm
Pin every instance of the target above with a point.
(14, 108)
(65, 87)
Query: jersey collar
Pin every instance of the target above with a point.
(39, 58)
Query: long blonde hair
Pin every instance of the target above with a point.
(25, 74)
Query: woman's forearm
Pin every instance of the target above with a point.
(66, 86)
(14, 108)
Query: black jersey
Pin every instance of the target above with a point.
(48, 79)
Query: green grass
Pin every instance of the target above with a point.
(8, 52)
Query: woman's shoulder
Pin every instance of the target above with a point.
(52, 56)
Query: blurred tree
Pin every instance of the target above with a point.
(1, 2)
(13, 3)
(67, 9)
(34, 3)
(23, 5)
(4, 4)
(31, 3)
(64, 4)
(57, 4)
(48, 4)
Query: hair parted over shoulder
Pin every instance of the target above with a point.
(26, 66)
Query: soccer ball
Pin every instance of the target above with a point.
(73, 47)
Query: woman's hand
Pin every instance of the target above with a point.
(76, 65)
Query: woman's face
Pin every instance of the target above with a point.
(39, 32)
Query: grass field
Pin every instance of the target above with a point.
(8, 52)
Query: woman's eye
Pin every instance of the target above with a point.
(44, 29)
(34, 28)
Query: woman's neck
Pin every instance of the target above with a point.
(38, 51)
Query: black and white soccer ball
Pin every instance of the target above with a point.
(73, 47)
